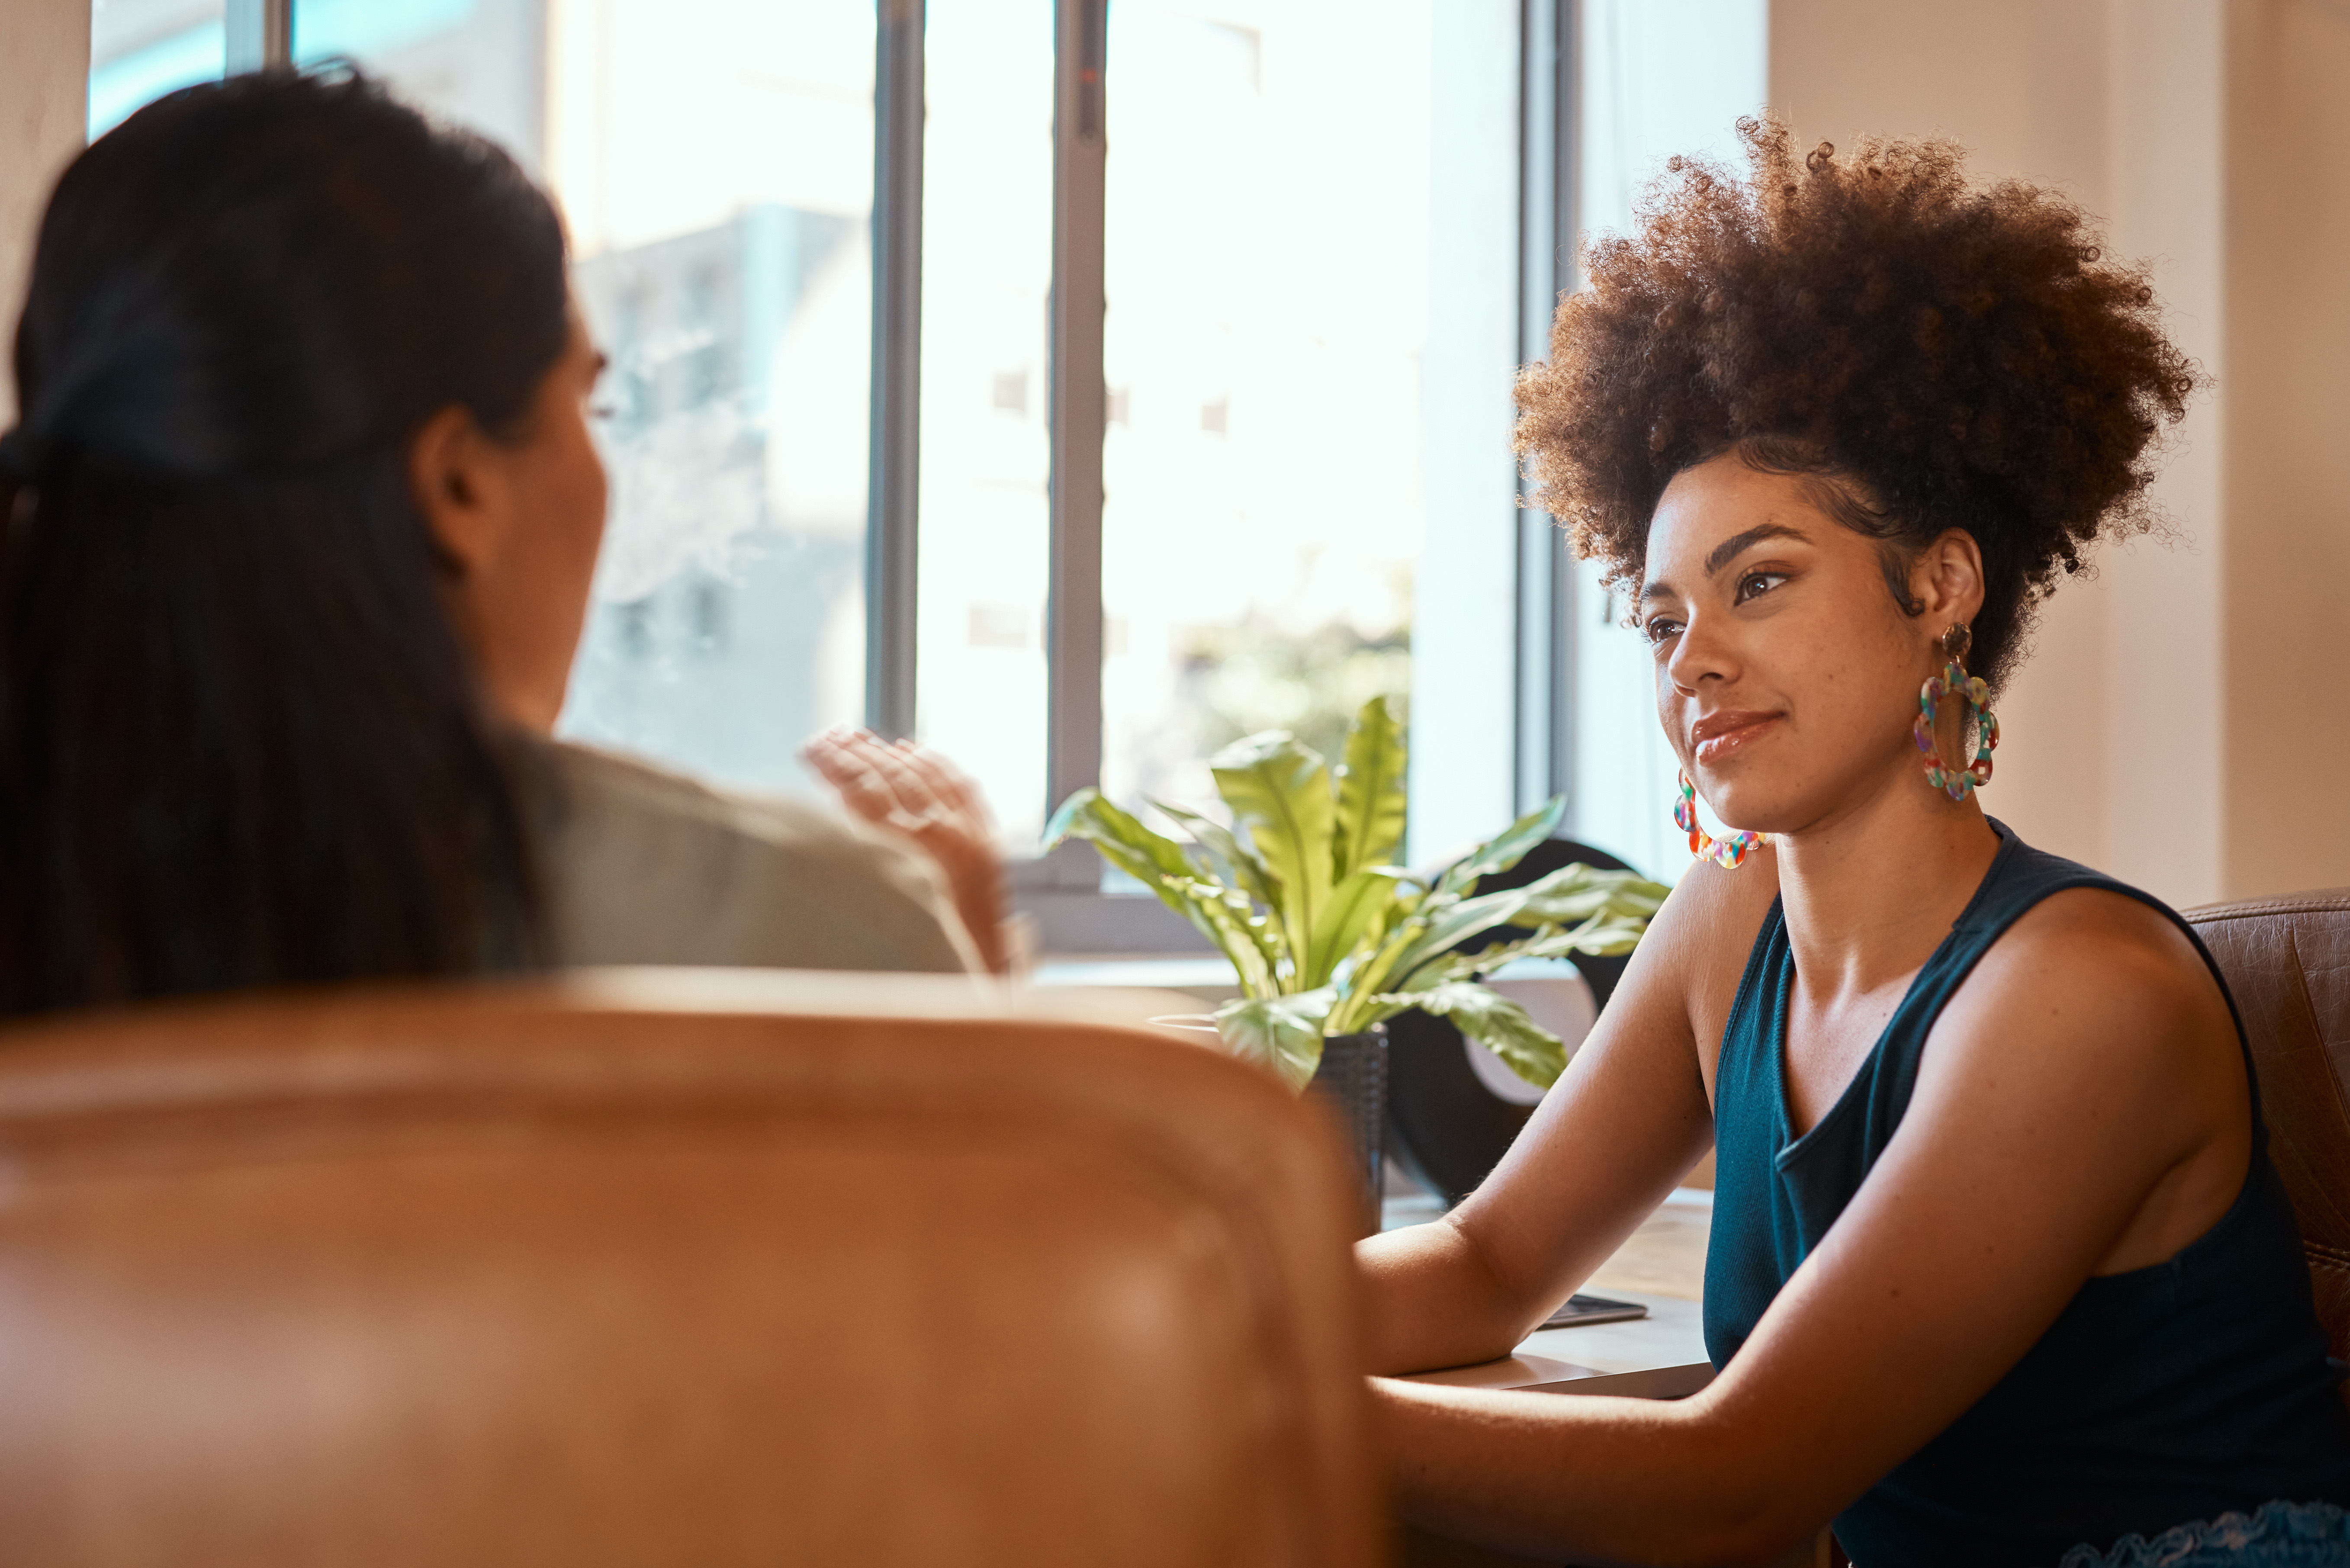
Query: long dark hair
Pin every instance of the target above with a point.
(240, 742)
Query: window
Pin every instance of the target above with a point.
(141, 49)
(714, 161)
(985, 470)
(1190, 361)
(1267, 273)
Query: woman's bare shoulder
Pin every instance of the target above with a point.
(2099, 947)
(1709, 925)
(2097, 1004)
(1724, 901)
(1688, 964)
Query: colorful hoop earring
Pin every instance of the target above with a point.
(1954, 681)
(1726, 851)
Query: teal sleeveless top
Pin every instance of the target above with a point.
(2184, 1390)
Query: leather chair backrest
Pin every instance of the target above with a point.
(538, 1276)
(2287, 961)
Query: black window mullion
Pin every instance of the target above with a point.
(260, 36)
(892, 522)
(1545, 751)
(1074, 613)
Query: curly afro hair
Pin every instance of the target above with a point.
(1929, 354)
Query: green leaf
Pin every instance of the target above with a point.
(1369, 975)
(1404, 900)
(1414, 963)
(1378, 1008)
(1500, 1026)
(1220, 914)
(1122, 840)
(1356, 906)
(1280, 1032)
(1619, 901)
(1247, 872)
(1250, 942)
(1446, 967)
(1370, 792)
(1602, 935)
(1279, 790)
(1578, 892)
(1507, 848)
(1468, 918)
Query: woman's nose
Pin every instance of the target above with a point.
(1697, 655)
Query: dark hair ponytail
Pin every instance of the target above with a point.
(239, 740)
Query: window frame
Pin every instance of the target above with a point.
(259, 33)
(1549, 154)
(892, 536)
(1063, 892)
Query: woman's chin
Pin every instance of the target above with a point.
(1747, 803)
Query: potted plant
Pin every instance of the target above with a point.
(1328, 939)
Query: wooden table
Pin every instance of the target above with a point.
(1661, 1356)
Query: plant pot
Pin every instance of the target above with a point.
(1353, 1082)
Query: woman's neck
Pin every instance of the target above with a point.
(1870, 893)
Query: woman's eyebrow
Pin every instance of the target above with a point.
(1722, 554)
(1728, 549)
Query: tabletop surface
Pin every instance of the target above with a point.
(1662, 1266)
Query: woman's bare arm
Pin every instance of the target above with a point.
(1627, 1121)
(2080, 1107)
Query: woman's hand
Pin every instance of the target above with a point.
(915, 792)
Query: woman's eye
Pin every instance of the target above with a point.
(1660, 630)
(1754, 584)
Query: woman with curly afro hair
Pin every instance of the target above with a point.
(2001, 1275)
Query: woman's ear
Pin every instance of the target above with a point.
(449, 473)
(1946, 580)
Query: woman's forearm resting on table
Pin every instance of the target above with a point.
(1664, 1481)
(1435, 1299)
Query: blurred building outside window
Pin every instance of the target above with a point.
(714, 159)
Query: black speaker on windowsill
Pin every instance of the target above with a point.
(1444, 1124)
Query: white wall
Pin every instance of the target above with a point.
(2163, 656)
(43, 103)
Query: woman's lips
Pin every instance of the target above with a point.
(1719, 736)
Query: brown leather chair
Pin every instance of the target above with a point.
(2287, 961)
(666, 1270)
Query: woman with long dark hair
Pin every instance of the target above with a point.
(301, 513)
(2001, 1275)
